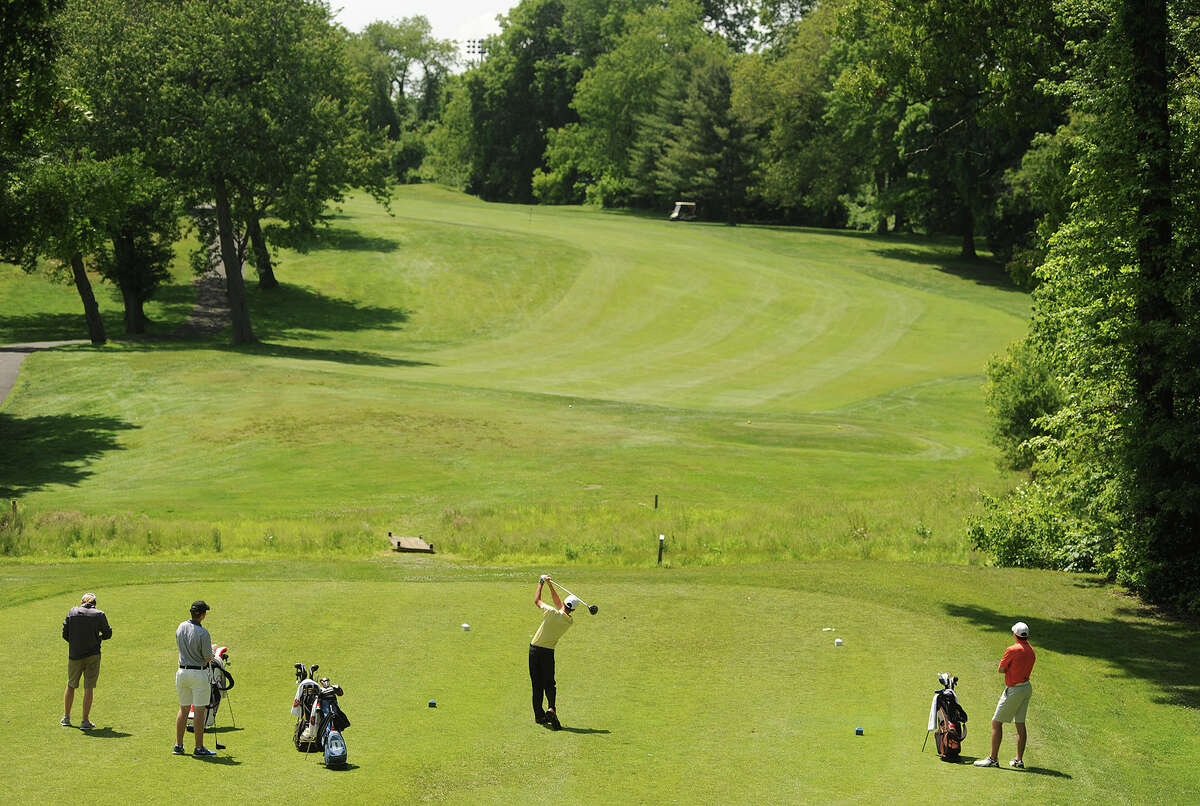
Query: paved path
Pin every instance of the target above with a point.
(11, 356)
(211, 312)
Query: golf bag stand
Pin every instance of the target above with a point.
(947, 720)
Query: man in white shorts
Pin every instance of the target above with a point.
(192, 680)
(1016, 666)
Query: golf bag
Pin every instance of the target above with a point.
(319, 718)
(220, 681)
(947, 719)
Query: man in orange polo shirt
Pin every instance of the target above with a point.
(1016, 666)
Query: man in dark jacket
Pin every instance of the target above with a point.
(83, 629)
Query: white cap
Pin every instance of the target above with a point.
(571, 602)
(1021, 629)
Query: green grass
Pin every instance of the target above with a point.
(696, 685)
(518, 385)
(46, 307)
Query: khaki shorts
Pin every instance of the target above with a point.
(88, 667)
(194, 687)
(1014, 702)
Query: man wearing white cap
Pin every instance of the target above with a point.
(83, 629)
(556, 620)
(1016, 666)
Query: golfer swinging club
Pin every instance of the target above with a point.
(556, 620)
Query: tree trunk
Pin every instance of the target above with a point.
(967, 191)
(881, 223)
(135, 317)
(91, 310)
(235, 287)
(262, 256)
(968, 236)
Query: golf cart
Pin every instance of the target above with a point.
(684, 211)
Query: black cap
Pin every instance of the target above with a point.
(200, 606)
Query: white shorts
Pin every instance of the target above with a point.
(194, 687)
(1014, 702)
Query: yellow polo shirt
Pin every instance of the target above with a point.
(554, 624)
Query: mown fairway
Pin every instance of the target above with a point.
(690, 686)
(517, 384)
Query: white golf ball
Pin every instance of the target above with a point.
(466, 627)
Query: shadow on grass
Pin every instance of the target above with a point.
(106, 733)
(342, 768)
(53, 449)
(355, 357)
(175, 303)
(46, 327)
(970, 762)
(585, 730)
(336, 238)
(292, 310)
(983, 272)
(1165, 654)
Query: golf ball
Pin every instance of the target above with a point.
(837, 641)
(466, 627)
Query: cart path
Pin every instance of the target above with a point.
(11, 356)
(209, 316)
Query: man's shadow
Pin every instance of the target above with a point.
(970, 761)
(581, 730)
(106, 733)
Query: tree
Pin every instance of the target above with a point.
(28, 97)
(967, 78)
(703, 148)
(104, 143)
(592, 157)
(521, 90)
(806, 162)
(242, 104)
(61, 211)
(524, 89)
(406, 70)
(27, 92)
(1118, 476)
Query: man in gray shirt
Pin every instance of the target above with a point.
(192, 680)
(83, 629)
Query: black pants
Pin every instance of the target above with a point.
(541, 674)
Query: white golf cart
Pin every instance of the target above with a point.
(684, 211)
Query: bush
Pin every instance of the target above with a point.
(1032, 529)
(1021, 391)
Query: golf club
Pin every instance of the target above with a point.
(591, 608)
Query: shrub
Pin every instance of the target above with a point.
(1021, 391)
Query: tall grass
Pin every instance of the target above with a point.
(610, 533)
